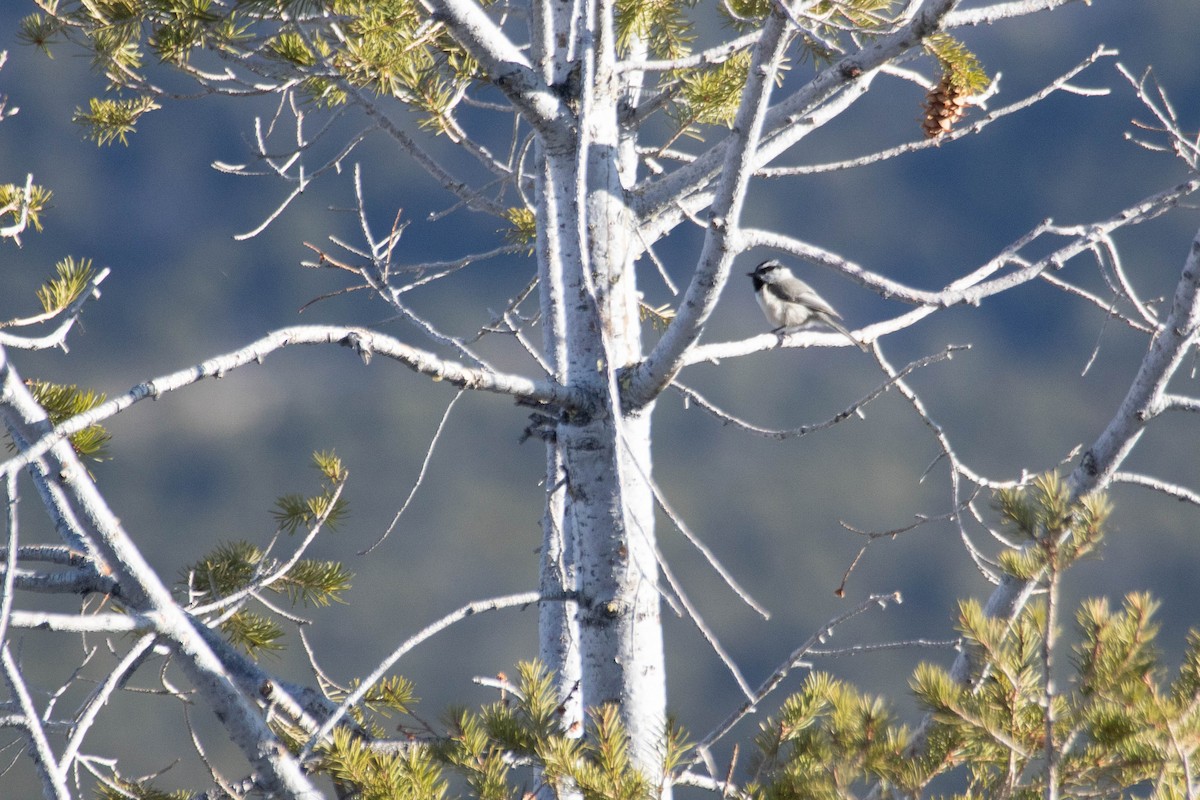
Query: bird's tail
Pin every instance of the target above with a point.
(842, 329)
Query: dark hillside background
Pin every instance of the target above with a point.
(204, 465)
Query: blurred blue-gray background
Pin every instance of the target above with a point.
(204, 465)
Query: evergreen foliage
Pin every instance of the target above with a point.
(493, 749)
(137, 790)
(393, 48)
(710, 95)
(109, 121)
(522, 228)
(240, 570)
(964, 68)
(63, 401)
(15, 202)
(831, 741)
(1119, 728)
(292, 511)
(73, 279)
(1122, 729)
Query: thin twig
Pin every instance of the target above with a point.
(437, 434)
(367, 683)
(853, 410)
(793, 660)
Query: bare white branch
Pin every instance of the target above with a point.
(437, 434)
(1172, 490)
(353, 699)
(54, 780)
(853, 410)
(362, 341)
(986, 15)
(57, 337)
(100, 697)
(143, 591)
(958, 132)
(507, 66)
(795, 659)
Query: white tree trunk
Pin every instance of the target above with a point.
(600, 509)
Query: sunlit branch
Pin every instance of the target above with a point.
(364, 342)
(353, 699)
(58, 337)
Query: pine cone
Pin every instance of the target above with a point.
(944, 106)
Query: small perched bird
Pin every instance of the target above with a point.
(791, 304)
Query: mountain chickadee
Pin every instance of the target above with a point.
(791, 304)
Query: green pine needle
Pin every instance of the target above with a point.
(522, 227)
(121, 789)
(73, 278)
(330, 465)
(294, 510)
(14, 203)
(318, 583)
(661, 24)
(39, 31)
(229, 568)
(254, 633)
(111, 121)
(63, 401)
(965, 70)
(711, 95)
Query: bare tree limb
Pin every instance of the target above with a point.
(143, 591)
(1173, 490)
(100, 697)
(437, 434)
(54, 780)
(786, 123)
(854, 409)
(974, 127)
(507, 67)
(791, 662)
(658, 369)
(1101, 462)
(470, 609)
(986, 15)
(363, 341)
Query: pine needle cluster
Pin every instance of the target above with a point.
(1059, 531)
(73, 279)
(389, 47)
(504, 751)
(15, 203)
(121, 789)
(1120, 728)
(293, 511)
(240, 570)
(522, 227)
(1117, 728)
(828, 742)
(662, 24)
(63, 401)
(108, 120)
(710, 94)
